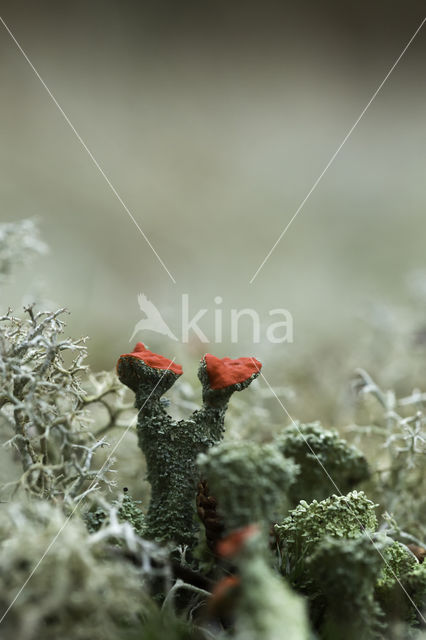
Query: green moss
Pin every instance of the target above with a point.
(94, 519)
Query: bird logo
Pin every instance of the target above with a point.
(153, 320)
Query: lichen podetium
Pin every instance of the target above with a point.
(171, 447)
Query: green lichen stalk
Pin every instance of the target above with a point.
(171, 447)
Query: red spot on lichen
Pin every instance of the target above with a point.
(230, 545)
(153, 360)
(224, 372)
(224, 585)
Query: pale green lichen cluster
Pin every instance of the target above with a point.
(299, 535)
(331, 552)
(316, 449)
(338, 516)
(249, 480)
(402, 579)
(345, 574)
(128, 510)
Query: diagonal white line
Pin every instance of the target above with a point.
(50, 545)
(341, 494)
(335, 154)
(90, 154)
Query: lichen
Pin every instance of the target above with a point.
(45, 408)
(315, 449)
(250, 481)
(343, 517)
(266, 607)
(401, 586)
(346, 571)
(171, 447)
(77, 590)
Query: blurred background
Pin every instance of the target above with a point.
(213, 120)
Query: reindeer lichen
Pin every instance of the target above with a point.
(43, 404)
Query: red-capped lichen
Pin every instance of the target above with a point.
(226, 372)
(153, 360)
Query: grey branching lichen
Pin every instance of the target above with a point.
(249, 480)
(171, 447)
(311, 446)
(397, 427)
(44, 406)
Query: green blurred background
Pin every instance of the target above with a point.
(213, 120)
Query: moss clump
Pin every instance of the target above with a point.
(310, 445)
(250, 481)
